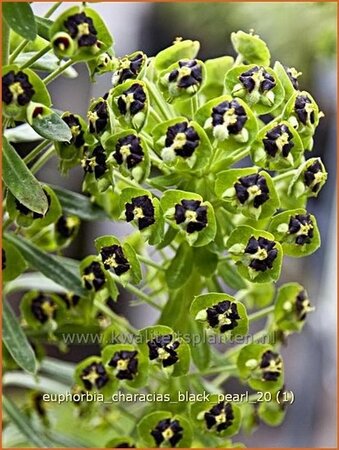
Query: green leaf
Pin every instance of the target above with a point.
(229, 274)
(252, 49)
(20, 18)
(216, 69)
(13, 263)
(47, 63)
(43, 26)
(48, 265)
(79, 205)
(180, 268)
(41, 383)
(52, 127)
(179, 50)
(20, 181)
(16, 341)
(205, 261)
(24, 425)
(21, 133)
(200, 347)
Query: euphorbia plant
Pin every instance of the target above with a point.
(159, 151)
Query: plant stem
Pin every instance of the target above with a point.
(37, 56)
(225, 258)
(18, 50)
(194, 104)
(260, 314)
(240, 155)
(150, 262)
(127, 181)
(161, 104)
(284, 175)
(213, 370)
(52, 9)
(118, 319)
(42, 161)
(129, 287)
(5, 43)
(155, 115)
(35, 152)
(57, 72)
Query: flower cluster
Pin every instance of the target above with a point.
(159, 152)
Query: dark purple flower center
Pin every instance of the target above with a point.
(219, 417)
(192, 214)
(16, 88)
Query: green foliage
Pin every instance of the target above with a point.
(159, 151)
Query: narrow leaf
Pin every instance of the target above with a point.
(47, 63)
(16, 341)
(40, 383)
(229, 274)
(20, 181)
(20, 18)
(79, 205)
(43, 26)
(48, 265)
(180, 268)
(52, 127)
(22, 133)
(24, 425)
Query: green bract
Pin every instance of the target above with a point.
(125, 363)
(297, 231)
(216, 416)
(228, 121)
(119, 258)
(25, 217)
(128, 152)
(220, 313)
(182, 144)
(165, 350)
(168, 429)
(248, 192)
(179, 50)
(303, 113)
(291, 307)
(261, 367)
(19, 88)
(277, 147)
(144, 212)
(13, 263)
(251, 48)
(182, 80)
(191, 215)
(308, 179)
(42, 310)
(256, 253)
(80, 33)
(130, 103)
(259, 86)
